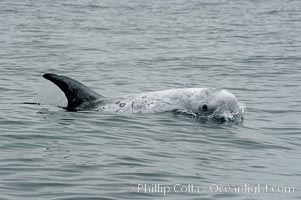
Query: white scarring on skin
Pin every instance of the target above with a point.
(192, 99)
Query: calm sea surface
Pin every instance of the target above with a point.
(251, 48)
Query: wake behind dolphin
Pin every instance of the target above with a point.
(193, 101)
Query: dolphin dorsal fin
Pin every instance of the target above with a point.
(79, 96)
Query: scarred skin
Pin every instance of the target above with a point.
(192, 99)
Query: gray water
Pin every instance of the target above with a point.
(251, 48)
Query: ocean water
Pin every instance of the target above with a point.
(251, 48)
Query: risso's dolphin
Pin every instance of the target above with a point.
(198, 101)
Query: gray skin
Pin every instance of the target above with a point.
(195, 100)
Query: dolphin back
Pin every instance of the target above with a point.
(79, 96)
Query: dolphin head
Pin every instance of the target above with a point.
(218, 104)
(219, 100)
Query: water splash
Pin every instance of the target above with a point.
(222, 115)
